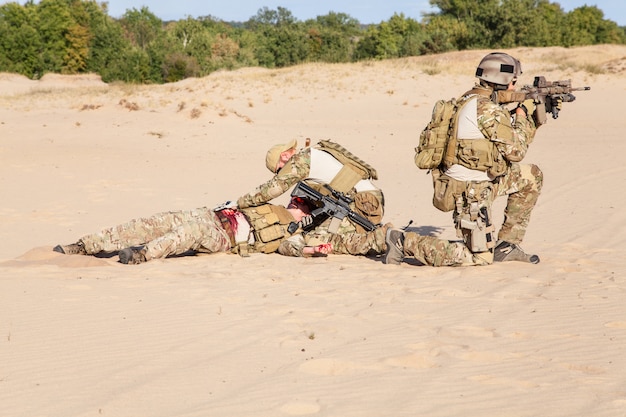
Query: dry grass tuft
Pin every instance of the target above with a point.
(615, 66)
(195, 113)
(130, 105)
(90, 107)
(432, 70)
(242, 116)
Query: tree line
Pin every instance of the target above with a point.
(78, 36)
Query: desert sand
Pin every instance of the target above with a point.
(270, 336)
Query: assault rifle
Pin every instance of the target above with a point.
(335, 205)
(547, 95)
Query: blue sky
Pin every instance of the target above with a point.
(365, 11)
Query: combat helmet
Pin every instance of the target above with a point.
(498, 68)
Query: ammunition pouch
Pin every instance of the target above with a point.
(481, 155)
(270, 233)
(369, 205)
(446, 190)
(269, 224)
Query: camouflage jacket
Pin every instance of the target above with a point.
(512, 137)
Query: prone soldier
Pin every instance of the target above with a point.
(258, 229)
(261, 229)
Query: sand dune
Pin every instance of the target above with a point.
(220, 335)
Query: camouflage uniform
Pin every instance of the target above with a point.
(509, 139)
(163, 234)
(297, 169)
(474, 146)
(520, 182)
(433, 251)
(346, 240)
(200, 230)
(169, 233)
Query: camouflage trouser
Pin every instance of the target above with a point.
(345, 242)
(433, 251)
(163, 234)
(522, 184)
(359, 243)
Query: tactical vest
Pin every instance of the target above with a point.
(354, 168)
(269, 224)
(478, 154)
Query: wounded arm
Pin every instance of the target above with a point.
(292, 246)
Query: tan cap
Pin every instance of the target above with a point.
(273, 155)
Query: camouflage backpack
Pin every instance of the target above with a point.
(430, 152)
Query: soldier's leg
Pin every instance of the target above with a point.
(200, 232)
(360, 243)
(473, 219)
(133, 233)
(522, 185)
(433, 251)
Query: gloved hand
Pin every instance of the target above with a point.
(528, 106)
(555, 106)
(306, 221)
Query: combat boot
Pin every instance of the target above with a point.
(395, 247)
(72, 249)
(133, 256)
(505, 251)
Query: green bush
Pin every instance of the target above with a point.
(78, 36)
